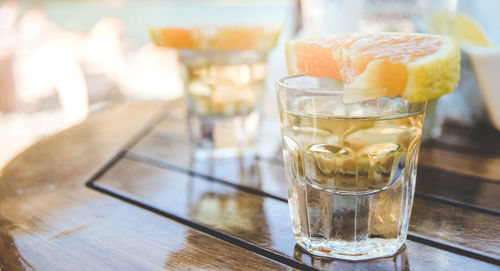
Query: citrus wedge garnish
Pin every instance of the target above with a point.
(218, 38)
(460, 26)
(418, 67)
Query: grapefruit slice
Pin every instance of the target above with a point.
(418, 67)
(217, 38)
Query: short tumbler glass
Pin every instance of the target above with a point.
(223, 90)
(350, 159)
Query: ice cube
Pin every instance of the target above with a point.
(322, 106)
(330, 167)
(330, 83)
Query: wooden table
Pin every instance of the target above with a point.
(119, 192)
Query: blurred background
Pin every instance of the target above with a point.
(62, 60)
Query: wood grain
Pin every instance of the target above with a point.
(76, 152)
(227, 215)
(49, 219)
(470, 228)
(461, 163)
(459, 189)
(259, 175)
(482, 139)
(81, 229)
(262, 221)
(163, 146)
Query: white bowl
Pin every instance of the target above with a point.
(486, 64)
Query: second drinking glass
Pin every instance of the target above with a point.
(224, 70)
(223, 92)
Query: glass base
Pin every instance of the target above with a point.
(353, 251)
(224, 137)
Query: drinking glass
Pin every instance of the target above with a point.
(223, 90)
(350, 159)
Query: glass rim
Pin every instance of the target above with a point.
(329, 91)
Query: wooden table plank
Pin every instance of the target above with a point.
(49, 219)
(68, 229)
(474, 193)
(262, 221)
(480, 140)
(71, 156)
(257, 174)
(461, 163)
(60, 224)
(470, 229)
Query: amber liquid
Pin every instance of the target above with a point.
(224, 93)
(225, 90)
(350, 181)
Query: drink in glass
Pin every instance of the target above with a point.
(224, 72)
(223, 93)
(352, 117)
(350, 168)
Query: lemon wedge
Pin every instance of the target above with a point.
(460, 26)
